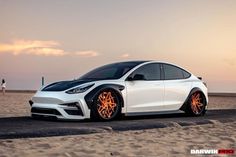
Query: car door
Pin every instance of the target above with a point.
(177, 86)
(145, 89)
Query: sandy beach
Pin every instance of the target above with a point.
(173, 141)
(90, 60)
(15, 104)
(170, 141)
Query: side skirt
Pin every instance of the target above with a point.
(152, 113)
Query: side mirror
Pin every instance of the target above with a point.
(136, 77)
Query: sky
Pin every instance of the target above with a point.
(63, 39)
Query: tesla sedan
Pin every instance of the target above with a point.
(124, 88)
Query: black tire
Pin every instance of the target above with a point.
(106, 106)
(196, 104)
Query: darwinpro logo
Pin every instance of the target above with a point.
(211, 151)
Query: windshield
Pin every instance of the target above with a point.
(110, 71)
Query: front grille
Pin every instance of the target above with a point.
(45, 111)
(49, 117)
(76, 112)
(73, 104)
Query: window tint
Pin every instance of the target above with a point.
(186, 74)
(172, 72)
(110, 71)
(105, 73)
(150, 71)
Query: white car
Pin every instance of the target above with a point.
(128, 88)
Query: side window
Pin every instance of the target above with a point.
(150, 71)
(172, 72)
(105, 73)
(186, 74)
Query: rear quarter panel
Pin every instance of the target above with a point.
(176, 92)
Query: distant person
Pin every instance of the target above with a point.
(3, 86)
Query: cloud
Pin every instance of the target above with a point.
(230, 61)
(87, 53)
(29, 47)
(47, 52)
(125, 55)
(40, 48)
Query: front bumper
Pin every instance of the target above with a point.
(59, 105)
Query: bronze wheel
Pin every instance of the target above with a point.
(107, 105)
(197, 103)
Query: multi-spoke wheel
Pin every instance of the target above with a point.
(197, 104)
(106, 106)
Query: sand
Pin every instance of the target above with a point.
(15, 104)
(217, 102)
(170, 141)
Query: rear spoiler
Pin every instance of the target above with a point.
(200, 78)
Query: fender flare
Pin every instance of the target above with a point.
(93, 93)
(195, 89)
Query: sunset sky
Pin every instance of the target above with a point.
(62, 39)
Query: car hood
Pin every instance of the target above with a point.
(64, 85)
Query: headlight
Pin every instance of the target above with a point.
(79, 89)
